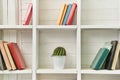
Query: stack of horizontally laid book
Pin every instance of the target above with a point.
(107, 56)
(10, 56)
(66, 14)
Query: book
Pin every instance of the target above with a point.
(61, 14)
(2, 63)
(71, 14)
(115, 58)
(109, 60)
(28, 14)
(9, 56)
(17, 55)
(67, 14)
(4, 54)
(102, 54)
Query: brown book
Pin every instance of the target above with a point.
(4, 54)
(9, 56)
(115, 59)
(17, 55)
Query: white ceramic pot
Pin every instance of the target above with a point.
(58, 62)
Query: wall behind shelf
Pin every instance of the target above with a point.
(0, 12)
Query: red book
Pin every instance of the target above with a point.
(28, 15)
(72, 11)
(17, 56)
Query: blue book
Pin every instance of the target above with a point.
(67, 14)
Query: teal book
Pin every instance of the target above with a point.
(67, 14)
(101, 56)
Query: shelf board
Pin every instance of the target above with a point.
(15, 26)
(26, 71)
(53, 71)
(56, 27)
(100, 27)
(91, 71)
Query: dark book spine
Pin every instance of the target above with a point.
(109, 60)
(2, 63)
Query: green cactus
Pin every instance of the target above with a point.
(59, 51)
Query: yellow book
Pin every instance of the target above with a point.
(61, 13)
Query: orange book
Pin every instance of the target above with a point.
(72, 11)
(61, 14)
(4, 54)
(17, 56)
(28, 15)
(9, 56)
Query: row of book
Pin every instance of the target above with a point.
(66, 14)
(107, 56)
(10, 56)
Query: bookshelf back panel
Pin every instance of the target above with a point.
(15, 77)
(57, 77)
(1, 12)
(100, 76)
(96, 12)
(48, 11)
(49, 40)
(92, 41)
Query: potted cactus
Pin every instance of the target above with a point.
(58, 55)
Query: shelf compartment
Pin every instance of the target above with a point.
(48, 12)
(56, 76)
(48, 40)
(96, 12)
(23, 37)
(53, 71)
(92, 40)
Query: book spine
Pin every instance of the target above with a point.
(72, 12)
(65, 8)
(100, 58)
(28, 15)
(67, 14)
(110, 57)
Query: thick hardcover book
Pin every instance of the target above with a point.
(115, 59)
(109, 60)
(17, 56)
(61, 14)
(5, 56)
(2, 63)
(101, 56)
(9, 56)
(67, 14)
(28, 15)
(71, 15)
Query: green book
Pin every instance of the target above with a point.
(101, 56)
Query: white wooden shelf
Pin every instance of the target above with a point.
(15, 27)
(91, 71)
(53, 71)
(56, 27)
(25, 71)
(100, 27)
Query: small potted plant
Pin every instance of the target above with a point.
(58, 55)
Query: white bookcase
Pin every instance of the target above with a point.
(94, 23)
